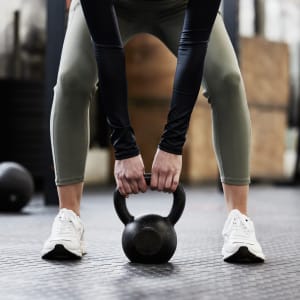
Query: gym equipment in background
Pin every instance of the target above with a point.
(150, 239)
(16, 187)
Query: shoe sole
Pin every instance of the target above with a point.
(243, 256)
(60, 253)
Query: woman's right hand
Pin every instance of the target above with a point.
(129, 175)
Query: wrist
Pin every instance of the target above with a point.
(124, 143)
(126, 155)
(170, 149)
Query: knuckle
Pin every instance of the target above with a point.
(155, 169)
(120, 176)
(132, 176)
(137, 176)
(164, 171)
(127, 190)
(168, 184)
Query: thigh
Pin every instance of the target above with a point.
(127, 29)
(220, 58)
(133, 17)
(77, 57)
(169, 29)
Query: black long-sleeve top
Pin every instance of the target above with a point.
(102, 22)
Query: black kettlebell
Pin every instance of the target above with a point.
(150, 239)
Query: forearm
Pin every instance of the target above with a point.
(198, 22)
(109, 52)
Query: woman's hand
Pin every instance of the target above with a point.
(166, 170)
(129, 175)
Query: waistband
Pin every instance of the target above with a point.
(139, 2)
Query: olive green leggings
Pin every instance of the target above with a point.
(77, 78)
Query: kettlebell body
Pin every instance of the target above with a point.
(150, 239)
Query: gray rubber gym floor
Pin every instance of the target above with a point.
(196, 271)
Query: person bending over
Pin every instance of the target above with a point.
(184, 27)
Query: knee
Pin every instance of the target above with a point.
(71, 84)
(231, 82)
(229, 89)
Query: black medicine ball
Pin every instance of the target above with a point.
(16, 186)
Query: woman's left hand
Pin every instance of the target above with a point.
(166, 170)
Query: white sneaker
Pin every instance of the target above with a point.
(240, 244)
(66, 239)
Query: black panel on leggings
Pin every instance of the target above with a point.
(102, 22)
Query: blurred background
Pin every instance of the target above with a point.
(266, 36)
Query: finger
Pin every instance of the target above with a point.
(133, 186)
(120, 188)
(127, 188)
(161, 182)
(154, 180)
(168, 183)
(175, 182)
(142, 185)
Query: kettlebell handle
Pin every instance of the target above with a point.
(174, 215)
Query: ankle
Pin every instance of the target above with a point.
(236, 197)
(242, 210)
(75, 209)
(70, 196)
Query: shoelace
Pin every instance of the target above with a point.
(239, 224)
